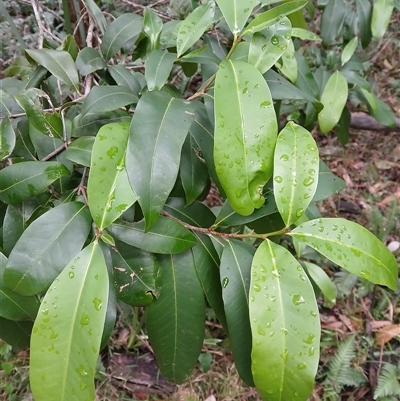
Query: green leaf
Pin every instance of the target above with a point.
(125, 28)
(45, 248)
(352, 247)
(158, 66)
(165, 237)
(273, 15)
(137, 275)
(80, 151)
(322, 280)
(27, 179)
(349, 50)
(123, 77)
(7, 139)
(296, 168)
(106, 98)
(245, 134)
(16, 334)
(381, 13)
(383, 113)
(328, 183)
(152, 27)
(202, 55)
(288, 63)
(12, 305)
(304, 34)
(175, 321)
(364, 14)
(284, 324)
(268, 46)
(332, 21)
(305, 80)
(235, 279)
(89, 60)
(67, 332)
(334, 99)
(152, 175)
(193, 26)
(69, 45)
(343, 127)
(97, 15)
(59, 63)
(236, 12)
(108, 189)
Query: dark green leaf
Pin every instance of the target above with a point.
(202, 55)
(80, 151)
(97, 14)
(305, 79)
(343, 126)
(364, 13)
(7, 139)
(328, 183)
(152, 27)
(123, 77)
(16, 334)
(158, 66)
(89, 60)
(69, 45)
(322, 280)
(332, 21)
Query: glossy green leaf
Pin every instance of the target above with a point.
(45, 248)
(322, 280)
(165, 237)
(235, 279)
(328, 183)
(349, 50)
(59, 63)
(152, 161)
(27, 179)
(123, 77)
(334, 99)
(69, 45)
(267, 47)
(305, 80)
(288, 63)
(137, 275)
(152, 27)
(12, 305)
(296, 167)
(352, 247)
(273, 16)
(245, 134)
(106, 98)
(193, 26)
(108, 189)
(67, 332)
(304, 34)
(97, 14)
(80, 151)
(202, 55)
(236, 12)
(284, 324)
(16, 334)
(175, 321)
(332, 21)
(364, 14)
(158, 66)
(89, 60)
(381, 13)
(7, 139)
(125, 28)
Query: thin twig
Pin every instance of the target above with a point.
(81, 190)
(42, 29)
(142, 7)
(55, 152)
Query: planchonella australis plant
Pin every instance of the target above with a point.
(105, 164)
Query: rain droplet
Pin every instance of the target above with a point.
(45, 311)
(225, 282)
(278, 179)
(275, 40)
(298, 299)
(301, 366)
(299, 212)
(97, 303)
(308, 181)
(309, 339)
(260, 331)
(284, 158)
(71, 274)
(257, 287)
(265, 104)
(85, 320)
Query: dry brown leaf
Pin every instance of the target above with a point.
(378, 324)
(387, 333)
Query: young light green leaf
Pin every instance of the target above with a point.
(235, 280)
(349, 50)
(284, 325)
(67, 333)
(89, 60)
(25, 180)
(334, 99)
(193, 26)
(80, 151)
(38, 256)
(152, 27)
(296, 168)
(175, 321)
(364, 14)
(245, 134)
(150, 172)
(304, 34)
(273, 16)
(288, 63)
(7, 139)
(165, 237)
(158, 66)
(126, 27)
(381, 13)
(352, 247)
(236, 12)
(322, 280)
(108, 189)
(267, 47)
(59, 63)
(332, 21)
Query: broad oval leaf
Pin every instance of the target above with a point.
(334, 99)
(89, 60)
(80, 151)
(108, 189)
(322, 280)
(235, 280)
(166, 236)
(7, 139)
(45, 248)
(284, 324)
(175, 321)
(245, 134)
(126, 27)
(193, 26)
(27, 179)
(381, 13)
(66, 336)
(152, 161)
(296, 168)
(59, 63)
(352, 247)
(152, 27)
(332, 21)
(236, 12)
(349, 50)
(158, 66)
